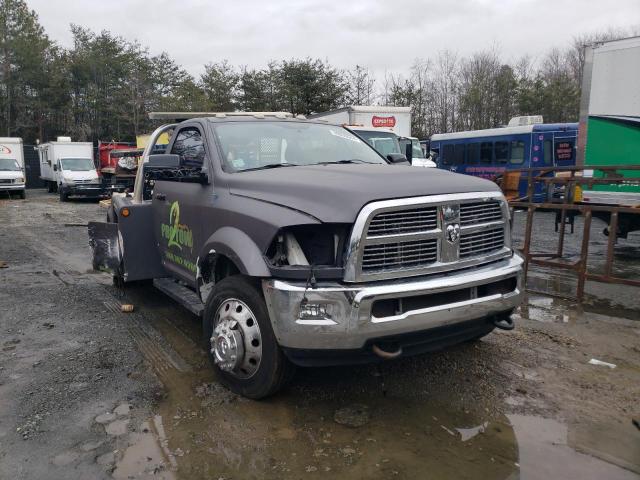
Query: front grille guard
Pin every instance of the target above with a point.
(448, 257)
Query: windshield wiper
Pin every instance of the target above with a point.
(351, 160)
(270, 165)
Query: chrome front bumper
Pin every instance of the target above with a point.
(350, 322)
(12, 187)
(87, 190)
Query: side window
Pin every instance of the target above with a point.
(190, 146)
(502, 152)
(473, 153)
(447, 155)
(517, 152)
(547, 153)
(458, 154)
(486, 152)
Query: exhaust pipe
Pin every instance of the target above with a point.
(504, 322)
(385, 354)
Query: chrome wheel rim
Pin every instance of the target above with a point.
(236, 343)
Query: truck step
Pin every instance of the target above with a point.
(181, 294)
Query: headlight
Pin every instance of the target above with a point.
(304, 245)
(95, 180)
(19, 180)
(67, 180)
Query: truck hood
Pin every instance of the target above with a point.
(11, 174)
(336, 193)
(80, 174)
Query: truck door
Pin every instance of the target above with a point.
(178, 206)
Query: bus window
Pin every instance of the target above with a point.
(547, 153)
(473, 153)
(486, 152)
(447, 154)
(502, 152)
(517, 151)
(458, 154)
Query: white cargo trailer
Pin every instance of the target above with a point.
(396, 119)
(609, 131)
(68, 168)
(12, 175)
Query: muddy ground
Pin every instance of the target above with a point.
(89, 392)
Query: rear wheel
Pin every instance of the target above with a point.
(49, 187)
(240, 341)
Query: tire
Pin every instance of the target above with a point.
(63, 196)
(49, 187)
(273, 369)
(22, 194)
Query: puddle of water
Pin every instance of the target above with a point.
(289, 438)
(207, 432)
(545, 453)
(550, 309)
(144, 458)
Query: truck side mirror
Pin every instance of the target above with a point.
(55, 168)
(397, 159)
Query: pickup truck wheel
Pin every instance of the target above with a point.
(63, 196)
(240, 341)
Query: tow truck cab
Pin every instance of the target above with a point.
(299, 244)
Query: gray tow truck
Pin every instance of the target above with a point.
(298, 244)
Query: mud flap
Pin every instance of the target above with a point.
(104, 240)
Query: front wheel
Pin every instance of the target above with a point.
(240, 341)
(63, 195)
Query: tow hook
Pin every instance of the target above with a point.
(384, 354)
(504, 323)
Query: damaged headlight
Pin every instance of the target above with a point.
(308, 245)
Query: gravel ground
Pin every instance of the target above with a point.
(89, 392)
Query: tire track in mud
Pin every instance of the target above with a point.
(164, 361)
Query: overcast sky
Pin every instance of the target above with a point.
(381, 35)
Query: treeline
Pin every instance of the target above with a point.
(104, 86)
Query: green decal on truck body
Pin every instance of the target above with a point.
(613, 141)
(178, 235)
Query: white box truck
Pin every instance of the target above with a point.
(609, 130)
(68, 168)
(387, 129)
(12, 176)
(396, 119)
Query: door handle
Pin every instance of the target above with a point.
(161, 196)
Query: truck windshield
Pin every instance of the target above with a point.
(252, 145)
(9, 165)
(77, 164)
(384, 142)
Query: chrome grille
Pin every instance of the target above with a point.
(396, 222)
(480, 212)
(82, 182)
(5, 180)
(481, 242)
(424, 235)
(399, 255)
